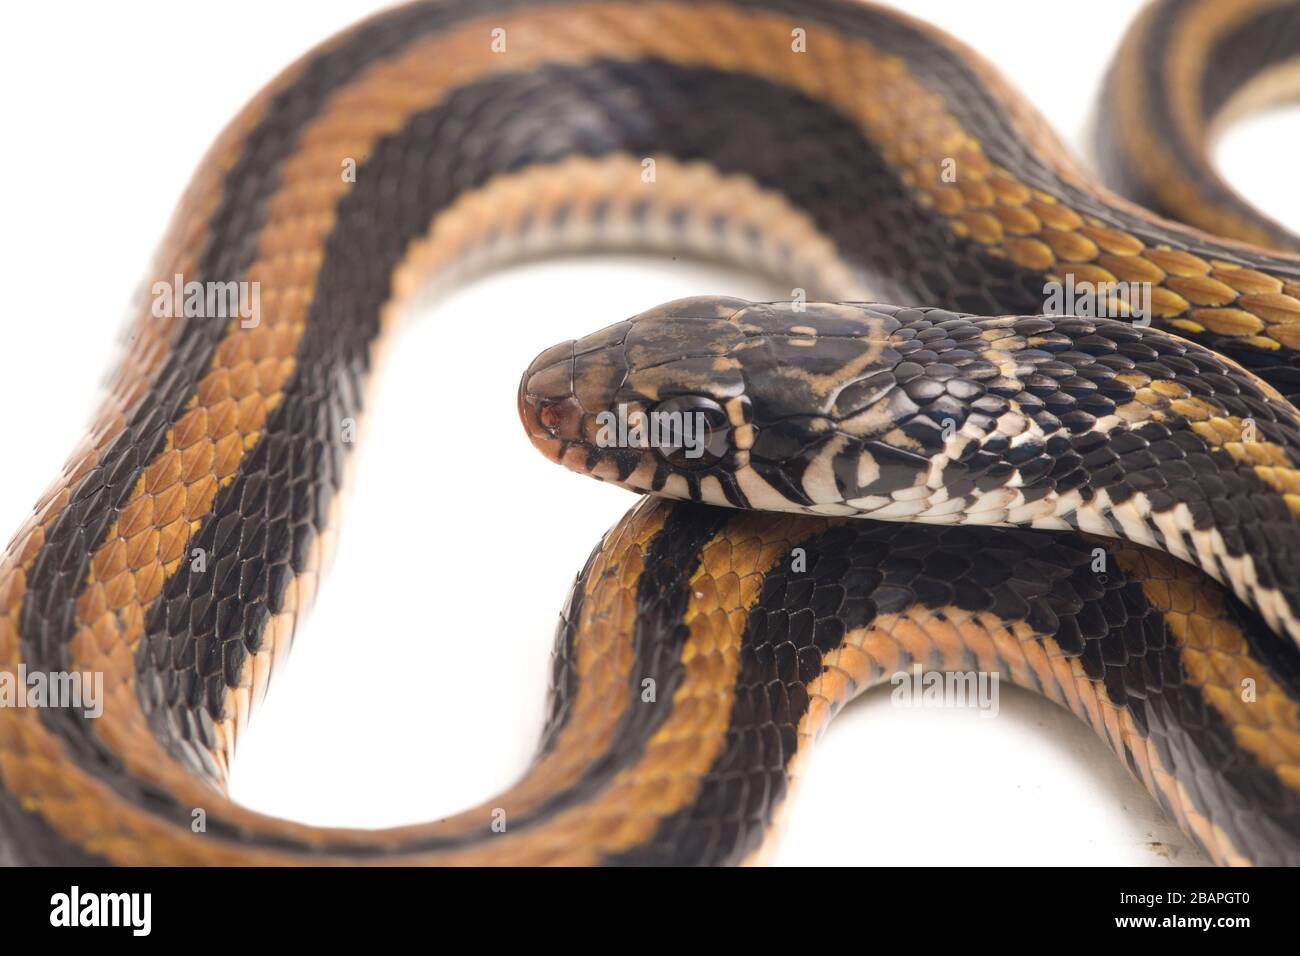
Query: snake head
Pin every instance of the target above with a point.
(724, 401)
(643, 400)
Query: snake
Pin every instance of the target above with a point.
(1099, 502)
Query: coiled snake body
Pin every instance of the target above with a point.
(840, 147)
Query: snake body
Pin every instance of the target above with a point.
(847, 149)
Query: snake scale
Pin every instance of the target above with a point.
(952, 475)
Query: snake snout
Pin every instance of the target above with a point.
(550, 412)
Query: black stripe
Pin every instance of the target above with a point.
(563, 689)
(1113, 154)
(1268, 39)
(663, 594)
(27, 839)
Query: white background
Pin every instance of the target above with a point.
(417, 686)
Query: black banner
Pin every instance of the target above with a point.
(257, 906)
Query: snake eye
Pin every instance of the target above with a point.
(693, 431)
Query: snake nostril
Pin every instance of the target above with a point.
(550, 417)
